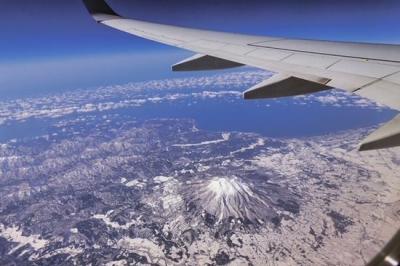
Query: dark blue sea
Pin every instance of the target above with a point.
(281, 119)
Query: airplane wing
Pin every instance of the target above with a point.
(301, 66)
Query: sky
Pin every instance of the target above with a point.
(53, 45)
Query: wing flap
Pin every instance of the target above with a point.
(366, 51)
(269, 54)
(283, 86)
(321, 62)
(383, 92)
(369, 69)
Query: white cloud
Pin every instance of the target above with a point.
(226, 85)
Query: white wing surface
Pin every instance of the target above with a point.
(301, 66)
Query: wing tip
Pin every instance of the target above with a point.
(100, 10)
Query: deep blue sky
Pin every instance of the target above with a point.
(54, 44)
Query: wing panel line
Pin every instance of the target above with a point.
(329, 54)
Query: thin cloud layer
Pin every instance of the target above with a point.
(227, 86)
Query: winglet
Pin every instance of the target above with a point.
(100, 10)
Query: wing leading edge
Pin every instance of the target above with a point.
(302, 66)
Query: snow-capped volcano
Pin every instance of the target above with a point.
(225, 197)
(225, 188)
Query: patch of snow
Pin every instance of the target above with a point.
(14, 234)
(144, 247)
(260, 142)
(71, 251)
(184, 171)
(106, 219)
(135, 183)
(171, 201)
(162, 179)
(224, 137)
(117, 263)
